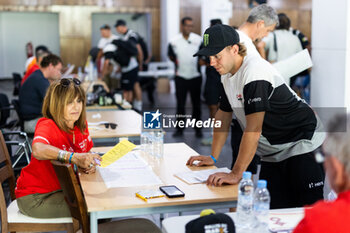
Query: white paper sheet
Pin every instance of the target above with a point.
(129, 171)
(294, 64)
(198, 177)
(285, 221)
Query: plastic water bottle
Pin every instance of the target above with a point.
(158, 144)
(262, 206)
(245, 201)
(146, 141)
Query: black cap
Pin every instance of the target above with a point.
(41, 48)
(215, 222)
(215, 21)
(120, 22)
(216, 38)
(105, 26)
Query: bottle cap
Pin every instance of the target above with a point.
(262, 183)
(247, 175)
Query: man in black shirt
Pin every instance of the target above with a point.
(33, 90)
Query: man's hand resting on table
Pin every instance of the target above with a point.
(203, 160)
(221, 178)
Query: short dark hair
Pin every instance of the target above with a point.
(41, 50)
(284, 21)
(105, 26)
(184, 19)
(50, 59)
(215, 21)
(261, 1)
(120, 22)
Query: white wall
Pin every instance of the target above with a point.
(218, 9)
(141, 25)
(170, 24)
(2, 60)
(19, 28)
(330, 77)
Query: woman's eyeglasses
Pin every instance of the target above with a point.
(66, 82)
(112, 125)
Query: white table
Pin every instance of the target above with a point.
(103, 202)
(287, 217)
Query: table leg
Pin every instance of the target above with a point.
(93, 222)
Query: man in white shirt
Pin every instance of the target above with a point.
(188, 77)
(132, 91)
(262, 19)
(104, 67)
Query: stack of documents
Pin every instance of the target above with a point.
(129, 171)
(198, 177)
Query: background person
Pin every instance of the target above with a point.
(62, 134)
(211, 87)
(188, 77)
(32, 92)
(40, 52)
(106, 69)
(281, 43)
(132, 91)
(261, 20)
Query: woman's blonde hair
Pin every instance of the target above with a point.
(58, 95)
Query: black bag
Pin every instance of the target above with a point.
(121, 57)
(144, 47)
(128, 46)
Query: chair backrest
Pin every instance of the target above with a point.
(73, 193)
(15, 104)
(17, 82)
(4, 110)
(6, 174)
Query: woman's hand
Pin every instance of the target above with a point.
(86, 161)
(203, 160)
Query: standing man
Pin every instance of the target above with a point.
(278, 126)
(106, 68)
(32, 92)
(130, 80)
(188, 78)
(262, 19)
(211, 87)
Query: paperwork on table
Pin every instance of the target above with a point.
(198, 177)
(129, 171)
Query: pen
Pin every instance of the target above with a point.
(139, 196)
(98, 162)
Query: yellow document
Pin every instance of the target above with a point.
(118, 151)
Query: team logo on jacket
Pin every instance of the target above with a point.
(206, 39)
(239, 97)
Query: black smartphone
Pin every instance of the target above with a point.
(171, 191)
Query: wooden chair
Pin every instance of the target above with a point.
(76, 202)
(11, 218)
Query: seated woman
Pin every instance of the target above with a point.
(62, 134)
